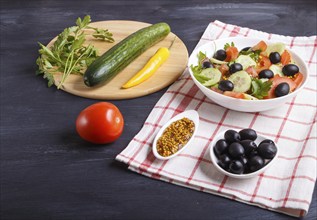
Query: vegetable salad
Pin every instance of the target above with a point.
(261, 71)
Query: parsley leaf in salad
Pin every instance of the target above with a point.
(255, 55)
(197, 69)
(228, 45)
(201, 56)
(260, 88)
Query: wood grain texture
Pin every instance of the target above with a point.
(48, 172)
(163, 77)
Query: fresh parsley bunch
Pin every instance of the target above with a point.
(68, 54)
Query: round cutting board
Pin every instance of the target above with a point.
(164, 76)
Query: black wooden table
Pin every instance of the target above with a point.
(48, 172)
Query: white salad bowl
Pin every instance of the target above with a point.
(241, 104)
(214, 159)
(190, 114)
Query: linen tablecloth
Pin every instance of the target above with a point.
(287, 186)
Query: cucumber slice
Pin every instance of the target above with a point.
(245, 61)
(276, 69)
(213, 74)
(241, 81)
(213, 60)
(275, 47)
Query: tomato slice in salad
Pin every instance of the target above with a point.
(260, 46)
(252, 71)
(237, 95)
(263, 64)
(224, 68)
(298, 79)
(276, 80)
(215, 89)
(286, 57)
(232, 54)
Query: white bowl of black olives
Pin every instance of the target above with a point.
(242, 154)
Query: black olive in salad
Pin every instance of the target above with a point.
(281, 90)
(266, 74)
(235, 67)
(220, 55)
(275, 57)
(225, 85)
(290, 69)
(207, 64)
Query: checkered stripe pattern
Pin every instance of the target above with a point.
(287, 186)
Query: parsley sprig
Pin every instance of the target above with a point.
(227, 45)
(259, 88)
(255, 55)
(68, 54)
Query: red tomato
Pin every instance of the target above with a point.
(298, 79)
(224, 69)
(232, 54)
(276, 80)
(251, 71)
(264, 63)
(100, 123)
(215, 89)
(260, 46)
(286, 57)
(237, 95)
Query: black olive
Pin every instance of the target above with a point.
(220, 147)
(281, 89)
(248, 146)
(207, 64)
(255, 163)
(275, 57)
(244, 160)
(267, 150)
(224, 161)
(266, 74)
(267, 141)
(236, 167)
(222, 165)
(225, 85)
(290, 69)
(248, 134)
(220, 55)
(235, 67)
(231, 136)
(246, 49)
(235, 150)
(253, 153)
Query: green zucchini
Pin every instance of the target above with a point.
(122, 54)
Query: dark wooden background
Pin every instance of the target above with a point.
(48, 172)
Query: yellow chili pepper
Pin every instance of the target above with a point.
(150, 67)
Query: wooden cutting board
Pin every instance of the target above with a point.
(165, 75)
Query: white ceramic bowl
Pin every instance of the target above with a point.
(214, 159)
(190, 114)
(241, 104)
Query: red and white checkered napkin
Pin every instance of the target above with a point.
(287, 186)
